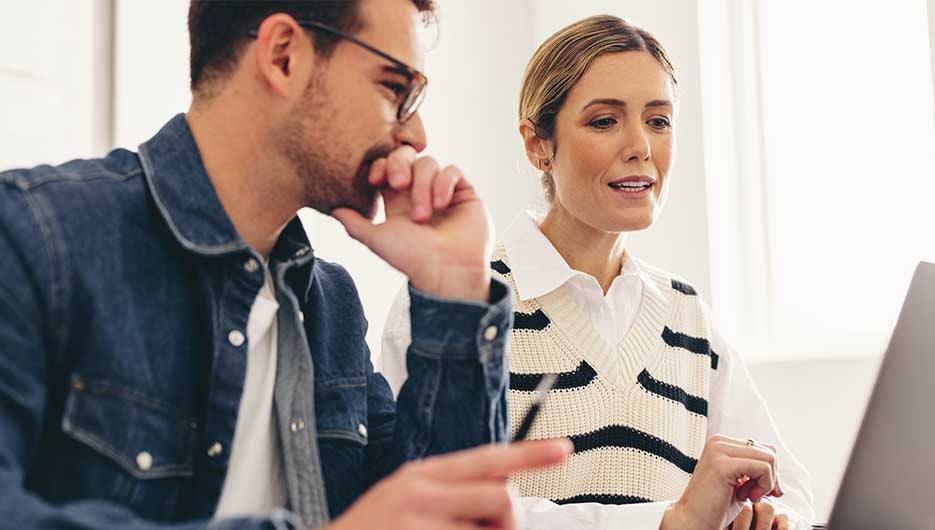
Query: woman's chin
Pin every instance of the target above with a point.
(631, 219)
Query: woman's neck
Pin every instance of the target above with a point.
(585, 248)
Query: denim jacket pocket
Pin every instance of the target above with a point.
(341, 418)
(144, 436)
(341, 409)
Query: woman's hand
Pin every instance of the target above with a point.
(729, 470)
(761, 515)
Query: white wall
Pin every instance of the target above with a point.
(151, 68)
(53, 81)
(931, 16)
(817, 406)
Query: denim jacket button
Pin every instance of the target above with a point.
(236, 338)
(296, 425)
(491, 333)
(215, 449)
(362, 429)
(251, 265)
(144, 461)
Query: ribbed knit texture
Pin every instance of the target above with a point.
(636, 412)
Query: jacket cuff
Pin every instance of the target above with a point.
(459, 329)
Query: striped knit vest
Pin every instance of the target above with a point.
(636, 412)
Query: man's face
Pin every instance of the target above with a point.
(347, 118)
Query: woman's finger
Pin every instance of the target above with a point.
(765, 513)
(744, 520)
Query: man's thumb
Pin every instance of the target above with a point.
(357, 226)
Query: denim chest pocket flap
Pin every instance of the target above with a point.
(146, 437)
(341, 409)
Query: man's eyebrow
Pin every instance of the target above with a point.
(396, 69)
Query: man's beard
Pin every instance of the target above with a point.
(322, 158)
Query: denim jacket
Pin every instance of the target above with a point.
(124, 297)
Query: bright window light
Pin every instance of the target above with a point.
(849, 172)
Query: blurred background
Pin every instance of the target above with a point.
(802, 193)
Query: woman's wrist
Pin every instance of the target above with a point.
(673, 518)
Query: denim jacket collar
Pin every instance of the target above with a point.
(186, 198)
(184, 194)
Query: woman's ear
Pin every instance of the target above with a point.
(538, 150)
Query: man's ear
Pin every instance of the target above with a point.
(538, 150)
(284, 54)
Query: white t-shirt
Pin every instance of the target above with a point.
(255, 484)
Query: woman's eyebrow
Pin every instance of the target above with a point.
(621, 103)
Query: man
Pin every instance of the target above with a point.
(173, 355)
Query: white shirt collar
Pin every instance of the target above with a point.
(538, 268)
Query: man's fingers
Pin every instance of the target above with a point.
(399, 167)
(497, 461)
(357, 226)
(487, 500)
(377, 175)
(423, 174)
(464, 525)
(765, 513)
(443, 187)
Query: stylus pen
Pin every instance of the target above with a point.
(542, 391)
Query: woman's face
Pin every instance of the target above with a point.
(615, 144)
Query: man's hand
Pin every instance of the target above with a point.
(462, 490)
(729, 470)
(761, 515)
(437, 231)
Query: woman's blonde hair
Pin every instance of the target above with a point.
(561, 61)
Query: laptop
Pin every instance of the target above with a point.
(889, 483)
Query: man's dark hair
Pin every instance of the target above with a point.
(218, 29)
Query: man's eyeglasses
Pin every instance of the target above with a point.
(412, 95)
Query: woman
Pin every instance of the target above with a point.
(660, 408)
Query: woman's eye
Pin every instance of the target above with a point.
(660, 123)
(603, 123)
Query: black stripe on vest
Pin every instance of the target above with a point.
(692, 344)
(621, 436)
(602, 498)
(684, 288)
(694, 404)
(500, 267)
(535, 321)
(580, 378)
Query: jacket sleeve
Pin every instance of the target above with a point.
(455, 394)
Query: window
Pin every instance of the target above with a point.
(822, 169)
